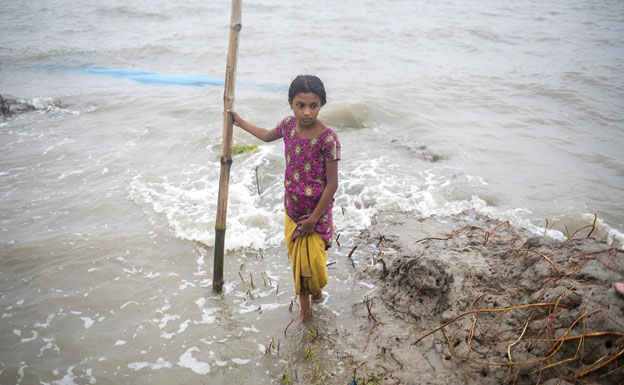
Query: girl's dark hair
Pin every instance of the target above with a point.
(307, 83)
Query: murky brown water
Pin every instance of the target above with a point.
(108, 190)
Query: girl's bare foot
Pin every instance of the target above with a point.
(306, 311)
(300, 320)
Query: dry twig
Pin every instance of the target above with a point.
(369, 304)
(453, 235)
(351, 253)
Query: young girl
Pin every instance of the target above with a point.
(312, 151)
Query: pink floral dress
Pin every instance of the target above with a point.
(305, 177)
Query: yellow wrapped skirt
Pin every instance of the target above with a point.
(307, 258)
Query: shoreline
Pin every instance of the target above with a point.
(503, 294)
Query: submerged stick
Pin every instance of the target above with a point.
(257, 181)
(383, 263)
(351, 253)
(287, 326)
(593, 225)
(369, 305)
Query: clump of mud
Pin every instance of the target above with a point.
(471, 300)
(11, 106)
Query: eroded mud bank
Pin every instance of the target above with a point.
(516, 308)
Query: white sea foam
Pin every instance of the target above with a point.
(240, 361)
(88, 322)
(33, 337)
(188, 361)
(190, 207)
(129, 303)
(159, 364)
(251, 329)
(165, 319)
(229, 287)
(248, 308)
(61, 143)
(134, 271)
(20, 371)
(47, 323)
(617, 234)
(69, 173)
(186, 284)
(164, 307)
(207, 314)
(48, 346)
(68, 379)
(183, 326)
(368, 187)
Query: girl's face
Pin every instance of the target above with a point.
(306, 107)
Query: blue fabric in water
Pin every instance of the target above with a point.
(151, 77)
(185, 80)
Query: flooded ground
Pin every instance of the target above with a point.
(108, 184)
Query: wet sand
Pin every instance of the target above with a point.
(518, 308)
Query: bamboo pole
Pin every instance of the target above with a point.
(226, 147)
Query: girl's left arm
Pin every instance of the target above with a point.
(331, 171)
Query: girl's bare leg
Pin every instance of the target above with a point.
(306, 309)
